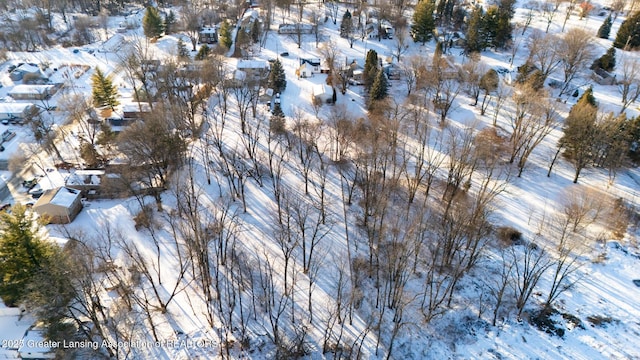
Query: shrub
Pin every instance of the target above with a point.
(509, 235)
(600, 321)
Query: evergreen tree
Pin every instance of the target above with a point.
(277, 121)
(203, 53)
(423, 21)
(104, 92)
(152, 23)
(346, 26)
(169, 22)
(277, 78)
(225, 35)
(370, 69)
(183, 52)
(380, 88)
(255, 31)
(497, 26)
(475, 41)
(605, 28)
(580, 130)
(23, 254)
(629, 33)
(607, 61)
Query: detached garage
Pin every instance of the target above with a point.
(60, 205)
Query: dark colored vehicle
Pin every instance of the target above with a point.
(5, 207)
(30, 184)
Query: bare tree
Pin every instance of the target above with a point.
(576, 50)
(500, 284)
(527, 270)
(629, 82)
(532, 120)
(400, 43)
(549, 10)
(544, 53)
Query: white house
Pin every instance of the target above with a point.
(25, 69)
(296, 28)
(32, 92)
(14, 110)
(308, 67)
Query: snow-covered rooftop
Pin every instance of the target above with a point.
(31, 89)
(61, 196)
(253, 64)
(14, 107)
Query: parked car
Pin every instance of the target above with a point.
(8, 135)
(36, 192)
(30, 184)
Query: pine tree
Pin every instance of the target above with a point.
(475, 41)
(169, 22)
(580, 129)
(277, 120)
(152, 23)
(277, 78)
(225, 35)
(370, 69)
(423, 21)
(605, 28)
(346, 26)
(628, 36)
(183, 52)
(203, 53)
(104, 92)
(255, 31)
(607, 61)
(23, 254)
(380, 88)
(497, 26)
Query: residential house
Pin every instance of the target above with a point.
(255, 70)
(25, 69)
(208, 35)
(14, 110)
(308, 67)
(32, 92)
(297, 28)
(60, 205)
(135, 111)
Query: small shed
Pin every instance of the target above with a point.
(32, 92)
(60, 205)
(322, 93)
(602, 77)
